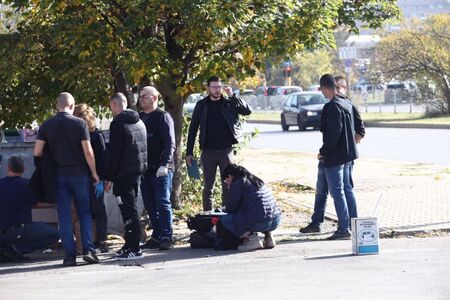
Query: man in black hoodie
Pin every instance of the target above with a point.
(338, 152)
(127, 163)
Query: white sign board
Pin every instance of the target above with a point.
(347, 53)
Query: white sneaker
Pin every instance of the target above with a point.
(252, 242)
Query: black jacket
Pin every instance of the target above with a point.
(127, 146)
(99, 147)
(42, 182)
(232, 108)
(338, 132)
(359, 124)
(160, 139)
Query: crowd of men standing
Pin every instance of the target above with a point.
(141, 149)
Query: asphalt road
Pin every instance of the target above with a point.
(402, 144)
(298, 269)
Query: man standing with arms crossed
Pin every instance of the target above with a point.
(68, 140)
(127, 163)
(156, 186)
(218, 119)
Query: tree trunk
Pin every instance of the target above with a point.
(174, 105)
(121, 85)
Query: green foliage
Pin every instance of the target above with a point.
(419, 51)
(81, 46)
(307, 67)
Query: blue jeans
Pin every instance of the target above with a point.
(156, 196)
(269, 225)
(322, 193)
(30, 237)
(338, 179)
(76, 187)
(320, 201)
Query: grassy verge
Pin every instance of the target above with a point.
(414, 118)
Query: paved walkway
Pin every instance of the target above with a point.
(414, 197)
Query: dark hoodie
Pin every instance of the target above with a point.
(127, 146)
(338, 131)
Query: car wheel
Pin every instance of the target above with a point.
(283, 124)
(301, 126)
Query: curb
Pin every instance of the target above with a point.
(373, 124)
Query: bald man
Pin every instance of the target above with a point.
(127, 163)
(69, 143)
(156, 186)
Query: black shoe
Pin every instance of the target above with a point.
(90, 257)
(9, 253)
(311, 228)
(165, 244)
(340, 235)
(70, 261)
(151, 244)
(122, 250)
(130, 255)
(102, 247)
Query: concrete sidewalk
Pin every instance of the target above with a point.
(415, 197)
(404, 269)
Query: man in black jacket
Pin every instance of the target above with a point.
(338, 152)
(156, 186)
(127, 163)
(321, 185)
(218, 119)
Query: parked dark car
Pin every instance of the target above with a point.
(302, 109)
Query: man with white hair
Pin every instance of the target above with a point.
(69, 143)
(156, 186)
(127, 163)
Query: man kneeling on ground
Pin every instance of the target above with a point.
(18, 234)
(250, 208)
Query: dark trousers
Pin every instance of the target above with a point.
(211, 159)
(30, 237)
(126, 190)
(99, 213)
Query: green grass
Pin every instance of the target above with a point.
(414, 118)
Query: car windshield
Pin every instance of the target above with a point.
(310, 99)
(396, 86)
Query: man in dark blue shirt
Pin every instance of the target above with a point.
(18, 234)
(156, 186)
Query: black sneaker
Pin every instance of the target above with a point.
(122, 250)
(90, 257)
(151, 244)
(340, 235)
(70, 261)
(102, 247)
(311, 228)
(9, 253)
(130, 255)
(165, 244)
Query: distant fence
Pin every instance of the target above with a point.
(368, 102)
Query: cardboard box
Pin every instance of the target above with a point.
(365, 236)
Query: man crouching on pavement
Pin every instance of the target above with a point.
(127, 163)
(18, 234)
